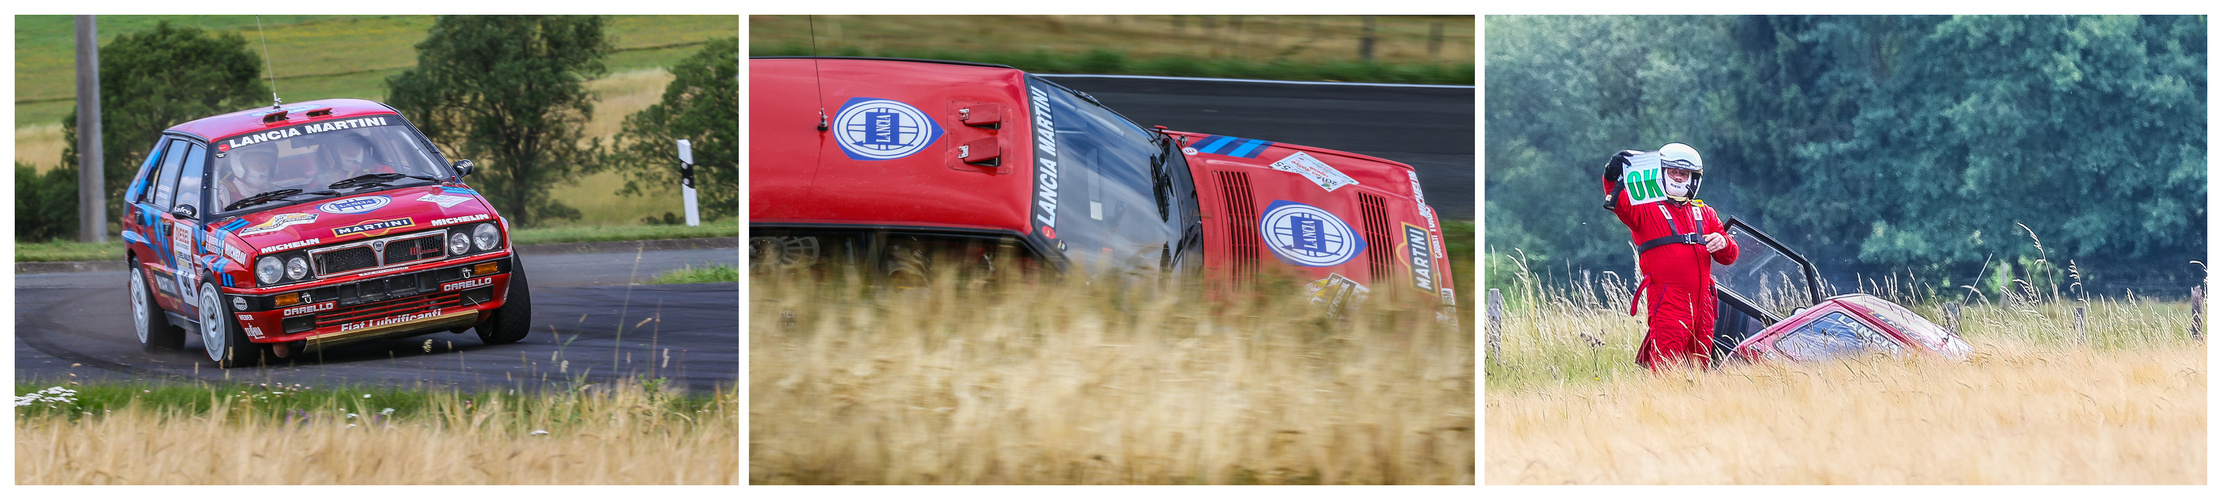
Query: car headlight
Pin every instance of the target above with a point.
(458, 243)
(296, 267)
(486, 236)
(268, 269)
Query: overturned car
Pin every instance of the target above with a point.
(1771, 309)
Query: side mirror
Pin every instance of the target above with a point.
(185, 212)
(463, 168)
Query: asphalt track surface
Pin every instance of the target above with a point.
(77, 326)
(1430, 128)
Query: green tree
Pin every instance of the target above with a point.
(153, 80)
(702, 105)
(45, 204)
(509, 92)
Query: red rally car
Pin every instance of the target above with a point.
(892, 165)
(275, 230)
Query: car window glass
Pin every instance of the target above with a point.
(152, 167)
(189, 178)
(1912, 325)
(1832, 335)
(165, 189)
(1113, 208)
(311, 156)
(1765, 275)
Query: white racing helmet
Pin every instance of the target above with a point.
(1681, 156)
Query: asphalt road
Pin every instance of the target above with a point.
(1429, 128)
(77, 326)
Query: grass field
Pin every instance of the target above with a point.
(631, 433)
(1407, 49)
(319, 57)
(1113, 383)
(691, 274)
(65, 251)
(2122, 401)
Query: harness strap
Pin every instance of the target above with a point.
(1661, 241)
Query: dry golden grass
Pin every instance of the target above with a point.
(39, 146)
(595, 195)
(1077, 384)
(603, 437)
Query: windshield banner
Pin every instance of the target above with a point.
(244, 140)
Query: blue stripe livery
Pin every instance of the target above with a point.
(1232, 146)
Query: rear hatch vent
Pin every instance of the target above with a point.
(1380, 244)
(1242, 225)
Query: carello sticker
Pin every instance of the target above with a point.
(373, 228)
(872, 129)
(1307, 236)
(1419, 256)
(356, 205)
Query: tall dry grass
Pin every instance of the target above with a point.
(970, 383)
(623, 435)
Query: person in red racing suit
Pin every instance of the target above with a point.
(1677, 241)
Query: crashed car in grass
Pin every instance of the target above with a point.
(1771, 309)
(271, 231)
(895, 165)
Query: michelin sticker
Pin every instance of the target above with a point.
(1419, 257)
(455, 220)
(444, 201)
(1307, 236)
(289, 246)
(277, 222)
(355, 205)
(1311, 168)
(871, 129)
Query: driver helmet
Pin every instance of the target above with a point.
(252, 177)
(1681, 156)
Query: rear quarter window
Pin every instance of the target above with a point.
(1834, 335)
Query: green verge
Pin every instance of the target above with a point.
(70, 251)
(1113, 62)
(276, 402)
(691, 274)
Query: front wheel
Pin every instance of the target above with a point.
(510, 323)
(225, 343)
(154, 328)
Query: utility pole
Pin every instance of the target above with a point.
(92, 207)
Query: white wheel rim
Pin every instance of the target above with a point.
(139, 304)
(212, 329)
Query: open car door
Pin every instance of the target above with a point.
(1767, 283)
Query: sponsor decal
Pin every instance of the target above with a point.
(276, 222)
(1045, 164)
(873, 129)
(1416, 196)
(1450, 297)
(1429, 214)
(444, 201)
(317, 307)
(214, 243)
(288, 246)
(460, 285)
(394, 320)
(166, 285)
(374, 228)
(1336, 292)
(459, 220)
(1418, 256)
(252, 332)
(243, 140)
(1305, 235)
(1231, 146)
(243, 317)
(1311, 168)
(181, 252)
(356, 205)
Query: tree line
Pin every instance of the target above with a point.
(507, 92)
(1941, 147)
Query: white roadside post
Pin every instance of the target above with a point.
(686, 181)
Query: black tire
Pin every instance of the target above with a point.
(229, 346)
(510, 323)
(148, 321)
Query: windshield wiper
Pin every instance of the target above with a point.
(377, 179)
(273, 195)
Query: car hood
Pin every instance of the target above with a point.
(353, 217)
(1263, 201)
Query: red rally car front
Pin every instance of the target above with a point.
(322, 223)
(916, 147)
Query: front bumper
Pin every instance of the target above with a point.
(447, 296)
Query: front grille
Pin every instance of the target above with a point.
(345, 260)
(1242, 224)
(415, 250)
(1380, 244)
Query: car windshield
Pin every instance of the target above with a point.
(1108, 193)
(310, 157)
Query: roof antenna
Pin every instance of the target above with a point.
(820, 80)
(272, 71)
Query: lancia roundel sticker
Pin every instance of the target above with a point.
(872, 129)
(1305, 235)
(355, 205)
